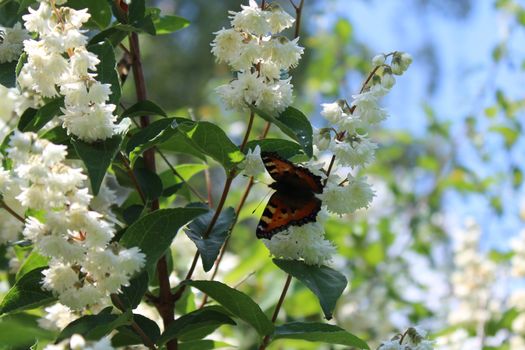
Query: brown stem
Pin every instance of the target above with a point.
(145, 339)
(266, 338)
(248, 130)
(11, 211)
(298, 16)
(166, 305)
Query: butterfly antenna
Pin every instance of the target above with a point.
(262, 200)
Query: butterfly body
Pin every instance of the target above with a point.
(294, 201)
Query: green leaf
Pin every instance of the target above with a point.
(181, 144)
(154, 232)
(8, 74)
(26, 293)
(106, 72)
(155, 133)
(169, 24)
(326, 283)
(196, 324)
(100, 11)
(32, 262)
(149, 182)
(210, 246)
(212, 141)
(286, 149)
(114, 34)
(34, 120)
(97, 157)
(204, 345)
(318, 332)
(143, 108)
(19, 331)
(294, 124)
(236, 302)
(94, 327)
(127, 336)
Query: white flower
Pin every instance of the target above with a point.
(131, 260)
(387, 81)
(82, 60)
(59, 278)
(57, 317)
(406, 60)
(306, 242)
(355, 194)
(251, 19)
(274, 98)
(39, 20)
(278, 19)
(378, 60)
(322, 139)
(248, 55)
(286, 53)
(77, 342)
(227, 44)
(354, 151)
(333, 112)
(11, 45)
(253, 164)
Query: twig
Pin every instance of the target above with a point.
(266, 338)
(11, 211)
(145, 339)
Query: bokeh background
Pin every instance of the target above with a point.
(440, 245)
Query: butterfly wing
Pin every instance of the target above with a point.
(284, 210)
(288, 173)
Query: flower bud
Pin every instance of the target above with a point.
(406, 60)
(388, 80)
(378, 59)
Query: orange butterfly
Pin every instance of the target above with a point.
(294, 201)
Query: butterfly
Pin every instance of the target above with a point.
(294, 201)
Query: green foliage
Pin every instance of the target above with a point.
(106, 72)
(212, 141)
(7, 73)
(318, 332)
(209, 242)
(294, 124)
(34, 120)
(97, 157)
(94, 327)
(154, 232)
(26, 293)
(196, 325)
(326, 283)
(237, 303)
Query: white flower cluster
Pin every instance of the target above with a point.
(351, 145)
(306, 242)
(11, 42)
(412, 339)
(59, 63)
(84, 267)
(472, 280)
(77, 342)
(253, 49)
